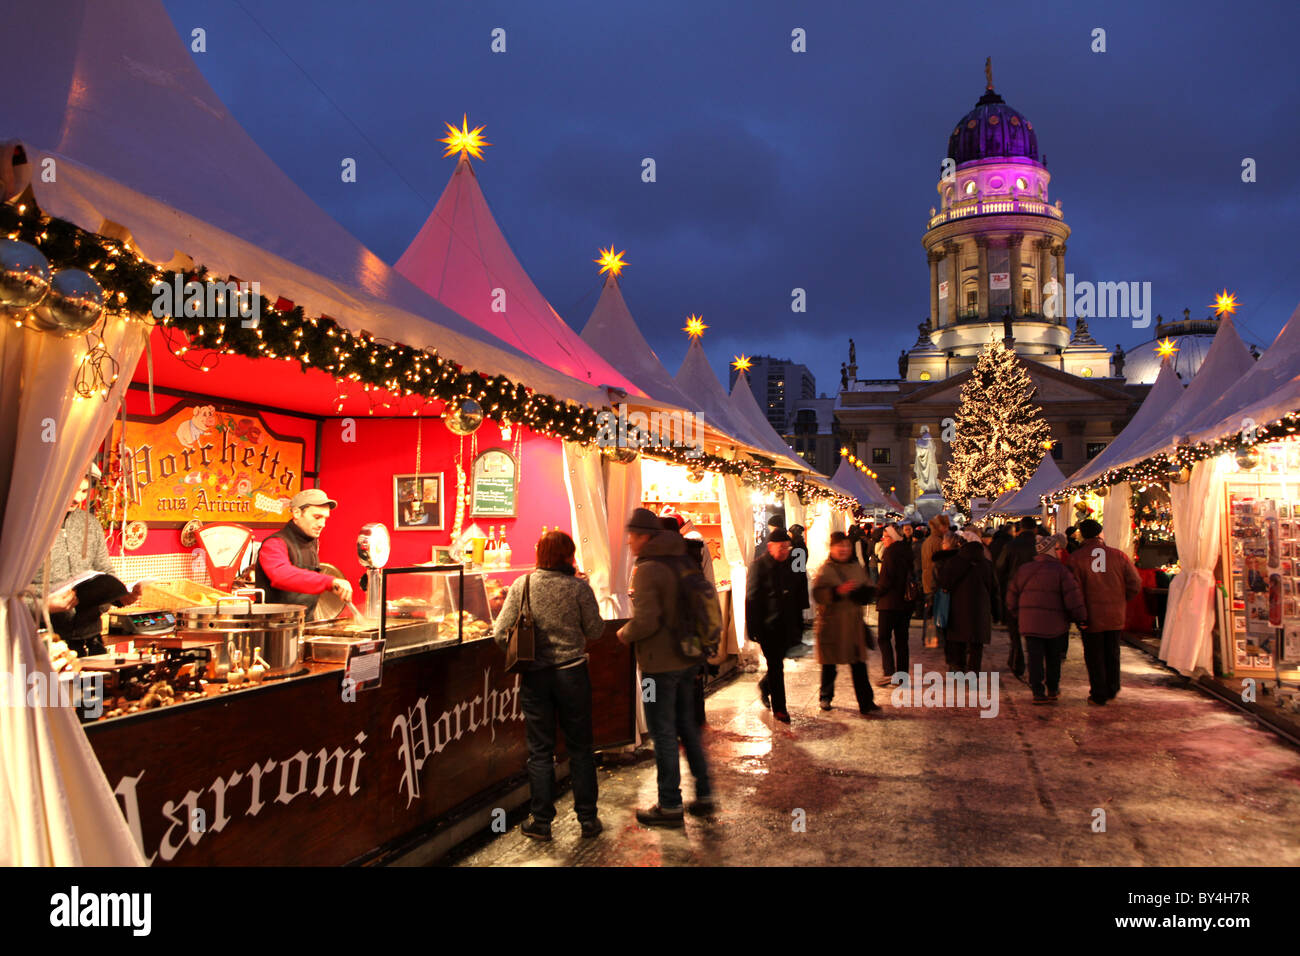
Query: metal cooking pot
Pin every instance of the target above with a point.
(275, 628)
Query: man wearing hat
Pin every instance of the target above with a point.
(774, 616)
(288, 564)
(668, 676)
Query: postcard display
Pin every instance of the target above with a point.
(1261, 557)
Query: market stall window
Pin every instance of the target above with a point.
(1261, 561)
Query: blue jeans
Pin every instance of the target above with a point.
(671, 714)
(549, 696)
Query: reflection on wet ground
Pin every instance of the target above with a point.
(1162, 775)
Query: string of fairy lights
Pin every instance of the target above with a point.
(129, 282)
(1175, 466)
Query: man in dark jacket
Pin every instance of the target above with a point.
(894, 604)
(1018, 552)
(774, 522)
(1109, 582)
(774, 616)
(1045, 597)
(967, 576)
(1001, 538)
(667, 674)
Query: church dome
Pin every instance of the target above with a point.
(993, 130)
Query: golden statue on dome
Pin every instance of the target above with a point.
(988, 70)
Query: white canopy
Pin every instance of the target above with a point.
(695, 380)
(140, 143)
(855, 484)
(612, 332)
(1226, 363)
(1046, 479)
(1164, 394)
(749, 414)
(1263, 394)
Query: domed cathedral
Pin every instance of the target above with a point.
(995, 245)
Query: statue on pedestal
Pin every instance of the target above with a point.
(844, 377)
(926, 465)
(902, 363)
(1119, 362)
(853, 353)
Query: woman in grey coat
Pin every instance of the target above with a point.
(557, 688)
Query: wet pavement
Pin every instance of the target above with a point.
(1163, 775)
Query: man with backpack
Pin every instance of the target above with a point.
(666, 591)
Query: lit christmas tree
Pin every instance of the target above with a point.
(1000, 435)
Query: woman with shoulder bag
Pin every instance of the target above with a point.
(840, 590)
(556, 687)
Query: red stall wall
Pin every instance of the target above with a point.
(359, 475)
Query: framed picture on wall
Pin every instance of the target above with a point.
(417, 502)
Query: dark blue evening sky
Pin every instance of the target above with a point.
(778, 169)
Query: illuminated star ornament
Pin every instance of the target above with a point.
(742, 363)
(695, 327)
(1224, 304)
(1166, 348)
(464, 140)
(611, 261)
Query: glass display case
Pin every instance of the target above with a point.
(462, 603)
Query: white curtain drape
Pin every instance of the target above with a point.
(56, 806)
(820, 525)
(1117, 518)
(1185, 643)
(737, 545)
(622, 497)
(794, 511)
(585, 480)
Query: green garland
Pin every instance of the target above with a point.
(320, 343)
(1156, 467)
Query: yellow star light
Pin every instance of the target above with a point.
(611, 261)
(464, 140)
(1166, 348)
(1224, 303)
(742, 363)
(695, 327)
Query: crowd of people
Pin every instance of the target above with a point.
(959, 581)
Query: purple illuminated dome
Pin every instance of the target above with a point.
(993, 130)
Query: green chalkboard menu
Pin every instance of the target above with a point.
(493, 485)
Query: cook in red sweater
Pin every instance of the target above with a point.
(288, 564)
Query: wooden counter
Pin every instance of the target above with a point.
(291, 773)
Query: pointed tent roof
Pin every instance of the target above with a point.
(1226, 363)
(1002, 499)
(1047, 478)
(748, 412)
(695, 380)
(888, 502)
(613, 333)
(1269, 377)
(101, 78)
(461, 258)
(856, 484)
(1163, 395)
